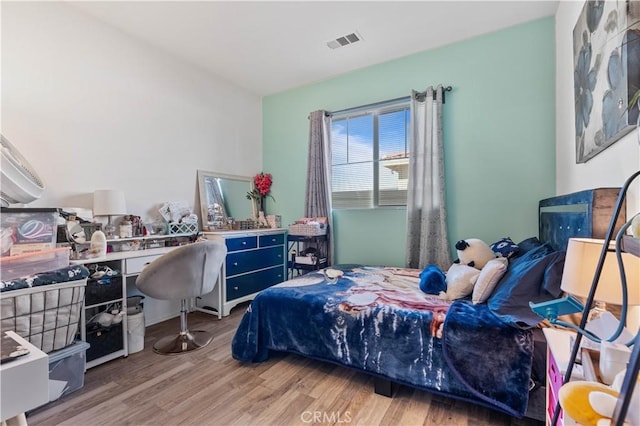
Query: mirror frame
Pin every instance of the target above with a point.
(202, 176)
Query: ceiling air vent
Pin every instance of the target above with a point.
(344, 40)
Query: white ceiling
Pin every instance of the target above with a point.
(267, 47)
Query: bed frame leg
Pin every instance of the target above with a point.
(384, 387)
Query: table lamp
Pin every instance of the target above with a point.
(580, 266)
(579, 269)
(109, 202)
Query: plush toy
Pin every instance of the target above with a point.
(460, 280)
(432, 280)
(474, 252)
(593, 403)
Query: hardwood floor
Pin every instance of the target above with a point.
(208, 387)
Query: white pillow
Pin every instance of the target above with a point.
(489, 277)
(460, 280)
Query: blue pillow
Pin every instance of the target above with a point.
(526, 281)
(527, 244)
(505, 247)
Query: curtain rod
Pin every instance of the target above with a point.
(389, 101)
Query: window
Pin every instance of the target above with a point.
(370, 156)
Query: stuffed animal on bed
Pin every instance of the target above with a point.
(474, 252)
(432, 280)
(476, 271)
(460, 280)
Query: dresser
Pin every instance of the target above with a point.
(255, 260)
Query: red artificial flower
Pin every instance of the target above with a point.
(262, 186)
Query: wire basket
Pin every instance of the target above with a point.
(47, 316)
(183, 228)
(308, 229)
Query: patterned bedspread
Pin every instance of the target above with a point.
(377, 320)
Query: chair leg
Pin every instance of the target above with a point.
(186, 340)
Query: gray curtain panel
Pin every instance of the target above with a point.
(318, 190)
(427, 241)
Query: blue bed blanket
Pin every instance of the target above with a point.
(378, 321)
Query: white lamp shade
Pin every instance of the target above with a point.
(580, 267)
(109, 202)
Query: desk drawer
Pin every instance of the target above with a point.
(252, 283)
(242, 243)
(135, 265)
(271, 240)
(246, 261)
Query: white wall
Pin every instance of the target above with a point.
(92, 108)
(612, 166)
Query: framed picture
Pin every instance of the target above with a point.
(606, 58)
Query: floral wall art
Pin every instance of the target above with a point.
(606, 54)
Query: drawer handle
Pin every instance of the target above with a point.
(148, 263)
(235, 263)
(280, 256)
(273, 239)
(236, 288)
(244, 243)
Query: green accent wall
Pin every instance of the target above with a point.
(499, 137)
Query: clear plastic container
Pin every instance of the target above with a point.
(22, 265)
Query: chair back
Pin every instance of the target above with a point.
(185, 272)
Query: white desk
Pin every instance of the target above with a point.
(98, 298)
(24, 381)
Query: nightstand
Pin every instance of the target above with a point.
(558, 355)
(24, 382)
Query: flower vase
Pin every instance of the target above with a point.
(262, 220)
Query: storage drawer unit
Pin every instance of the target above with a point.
(247, 261)
(243, 285)
(255, 260)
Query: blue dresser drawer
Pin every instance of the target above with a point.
(253, 283)
(271, 240)
(245, 261)
(241, 243)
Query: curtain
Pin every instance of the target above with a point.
(318, 190)
(427, 241)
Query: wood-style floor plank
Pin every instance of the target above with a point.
(209, 387)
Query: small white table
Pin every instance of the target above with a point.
(24, 382)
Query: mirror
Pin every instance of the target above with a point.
(223, 196)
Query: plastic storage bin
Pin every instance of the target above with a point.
(66, 370)
(27, 230)
(22, 265)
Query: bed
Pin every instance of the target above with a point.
(377, 320)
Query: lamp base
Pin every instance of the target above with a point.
(599, 309)
(109, 230)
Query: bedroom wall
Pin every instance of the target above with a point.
(91, 108)
(499, 129)
(612, 166)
